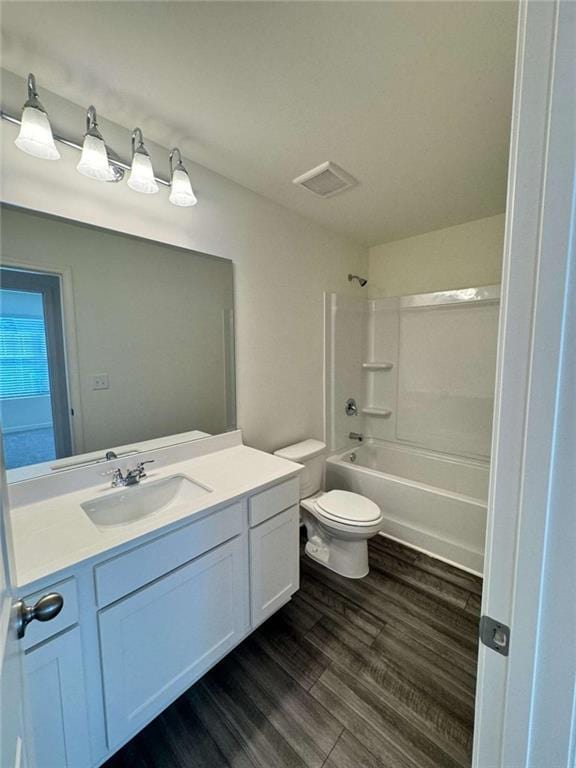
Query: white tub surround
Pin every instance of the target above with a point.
(447, 370)
(345, 330)
(421, 369)
(432, 502)
(152, 604)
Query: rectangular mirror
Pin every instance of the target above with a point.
(107, 342)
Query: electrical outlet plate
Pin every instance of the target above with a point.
(100, 381)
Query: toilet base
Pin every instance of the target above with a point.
(348, 558)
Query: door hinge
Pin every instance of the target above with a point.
(495, 635)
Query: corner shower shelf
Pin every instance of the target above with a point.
(377, 366)
(382, 413)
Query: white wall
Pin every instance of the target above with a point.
(456, 257)
(283, 262)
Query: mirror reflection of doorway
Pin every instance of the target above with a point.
(34, 408)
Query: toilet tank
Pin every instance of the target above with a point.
(310, 453)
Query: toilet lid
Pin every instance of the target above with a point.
(348, 507)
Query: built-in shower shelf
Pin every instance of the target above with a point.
(377, 366)
(382, 413)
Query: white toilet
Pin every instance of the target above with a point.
(338, 523)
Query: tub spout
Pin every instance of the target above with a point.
(356, 436)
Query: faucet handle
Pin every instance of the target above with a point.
(140, 467)
(117, 477)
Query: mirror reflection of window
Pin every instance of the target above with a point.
(33, 391)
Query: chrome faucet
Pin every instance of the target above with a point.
(356, 436)
(132, 476)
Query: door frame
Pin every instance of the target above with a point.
(65, 275)
(533, 460)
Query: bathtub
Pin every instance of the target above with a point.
(433, 502)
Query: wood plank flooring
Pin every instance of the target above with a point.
(372, 673)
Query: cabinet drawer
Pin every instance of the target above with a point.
(276, 499)
(131, 570)
(159, 641)
(38, 631)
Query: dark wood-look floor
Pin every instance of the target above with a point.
(371, 673)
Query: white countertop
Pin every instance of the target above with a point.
(54, 534)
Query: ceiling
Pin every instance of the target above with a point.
(413, 99)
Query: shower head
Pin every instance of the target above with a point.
(361, 280)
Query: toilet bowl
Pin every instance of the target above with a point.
(338, 523)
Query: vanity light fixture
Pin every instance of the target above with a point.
(94, 161)
(35, 136)
(141, 177)
(181, 192)
(98, 161)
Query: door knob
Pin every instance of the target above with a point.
(46, 609)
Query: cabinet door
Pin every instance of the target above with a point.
(57, 702)
(274, 563)
(161, 639)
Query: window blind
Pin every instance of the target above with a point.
(23, 357)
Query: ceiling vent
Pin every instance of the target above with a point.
(326, 180)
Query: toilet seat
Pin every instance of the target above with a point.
(347, 508)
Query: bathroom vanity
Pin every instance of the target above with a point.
(157, 586)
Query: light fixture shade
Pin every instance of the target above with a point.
(35, 137)
(142, 174)
(181, 192)
(94, 160)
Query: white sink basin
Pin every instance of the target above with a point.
(135, 502)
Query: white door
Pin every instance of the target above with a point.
(526, 718)
(13, 753)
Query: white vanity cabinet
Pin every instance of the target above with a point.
(274, 563)
(274, 548)
(160, 640)
(155, 616)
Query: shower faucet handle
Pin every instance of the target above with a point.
(351, 407)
